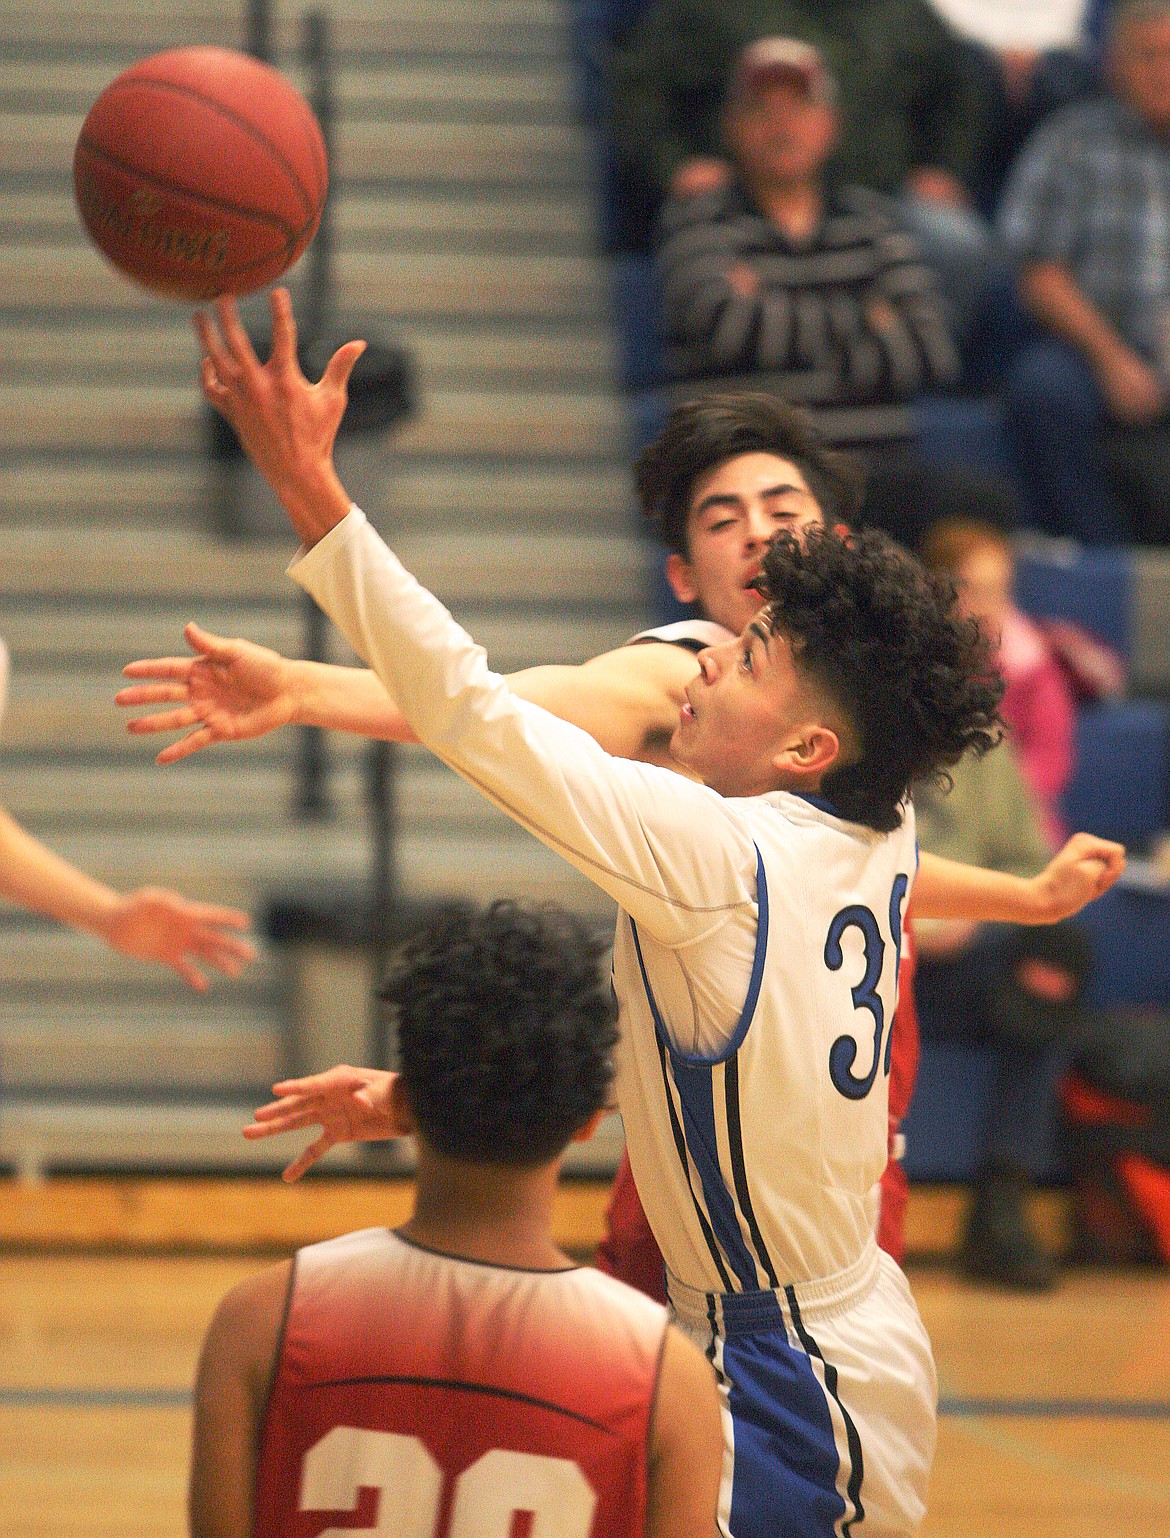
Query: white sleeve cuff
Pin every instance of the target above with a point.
(306, 561)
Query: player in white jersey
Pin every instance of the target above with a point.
(755, 960)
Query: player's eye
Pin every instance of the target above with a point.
(745, 660)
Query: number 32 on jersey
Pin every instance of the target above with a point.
(865, 995)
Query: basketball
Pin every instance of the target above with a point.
(201, 172)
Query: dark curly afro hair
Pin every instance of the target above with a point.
(888, 644)
(506, 1029)
(706, 432)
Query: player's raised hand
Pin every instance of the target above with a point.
(153, 924)
(350, 1105)
(1085, 868)
(228, 691)
(286, 424)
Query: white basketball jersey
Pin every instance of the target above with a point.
(755, 961)
(754, 1088)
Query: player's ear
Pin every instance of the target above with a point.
(681, 578)
(400, 1107)
(809, 752)
(583, 1134)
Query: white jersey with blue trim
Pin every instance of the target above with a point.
(754, 1090)
(762, 932)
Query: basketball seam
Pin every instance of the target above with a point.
(84, 142)
(242, 122)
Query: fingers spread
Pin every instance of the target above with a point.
(160, 668)
(238, 343)
(284, 330)
(310, 1156)
(163, 720)
(191, 743)
(204, 642)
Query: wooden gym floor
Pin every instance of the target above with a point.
(1055, 1412)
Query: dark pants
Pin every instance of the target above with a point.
(1085, 477)
(976, 997)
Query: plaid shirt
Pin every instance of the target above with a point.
(1091, 191)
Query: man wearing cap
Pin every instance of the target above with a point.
(912, 108)
(784, 280)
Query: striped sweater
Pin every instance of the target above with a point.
(848, 324)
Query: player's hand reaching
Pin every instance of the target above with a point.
(1084, 869)
(350, 1105)
(156, 925)
(286, 424)
(226, 692)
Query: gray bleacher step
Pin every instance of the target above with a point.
(161, 350)
(464, 569)
(518, 495)
(133, 418)
(469, 91)
(37, 958)
(447, 285)
(221, 790)
(44, 642)
(245, 867)
(378, 151)
(503, 29)
(1150, 646)
(39, 1133)
(73, 1040)
(484, 219)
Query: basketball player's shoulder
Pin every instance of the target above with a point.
(693, 635)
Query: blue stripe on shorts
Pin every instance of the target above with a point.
(784, 1477)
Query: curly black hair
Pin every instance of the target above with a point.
(506, 1024)
(706, 432)
(888, 644)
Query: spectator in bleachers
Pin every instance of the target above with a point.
(783, 279)
(1034, 58)
(912, 112)
(1038, 704)
(1014, 989)
(1086, 216)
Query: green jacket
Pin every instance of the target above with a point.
(989, 818)
(908, 96)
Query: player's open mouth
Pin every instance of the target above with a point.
(687, 713)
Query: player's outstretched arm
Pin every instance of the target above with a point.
(627, 700)
(592, 808)
(231, 690)
(286, 424)
(151, 924)
(350, 1105)
(686, 1444)
(1084, 869)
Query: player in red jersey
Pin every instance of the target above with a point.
(461, 1375)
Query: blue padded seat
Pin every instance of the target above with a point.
(1121, 780)
(1094, 588)
(638, 310)
(965, 431)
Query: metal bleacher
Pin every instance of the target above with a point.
(463, 230)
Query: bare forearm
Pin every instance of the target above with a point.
(1055, 299)
(946, 889)
(33, 877)
(345, 699)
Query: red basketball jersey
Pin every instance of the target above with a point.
(420, 1396)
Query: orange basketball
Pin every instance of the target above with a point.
(201, 172)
